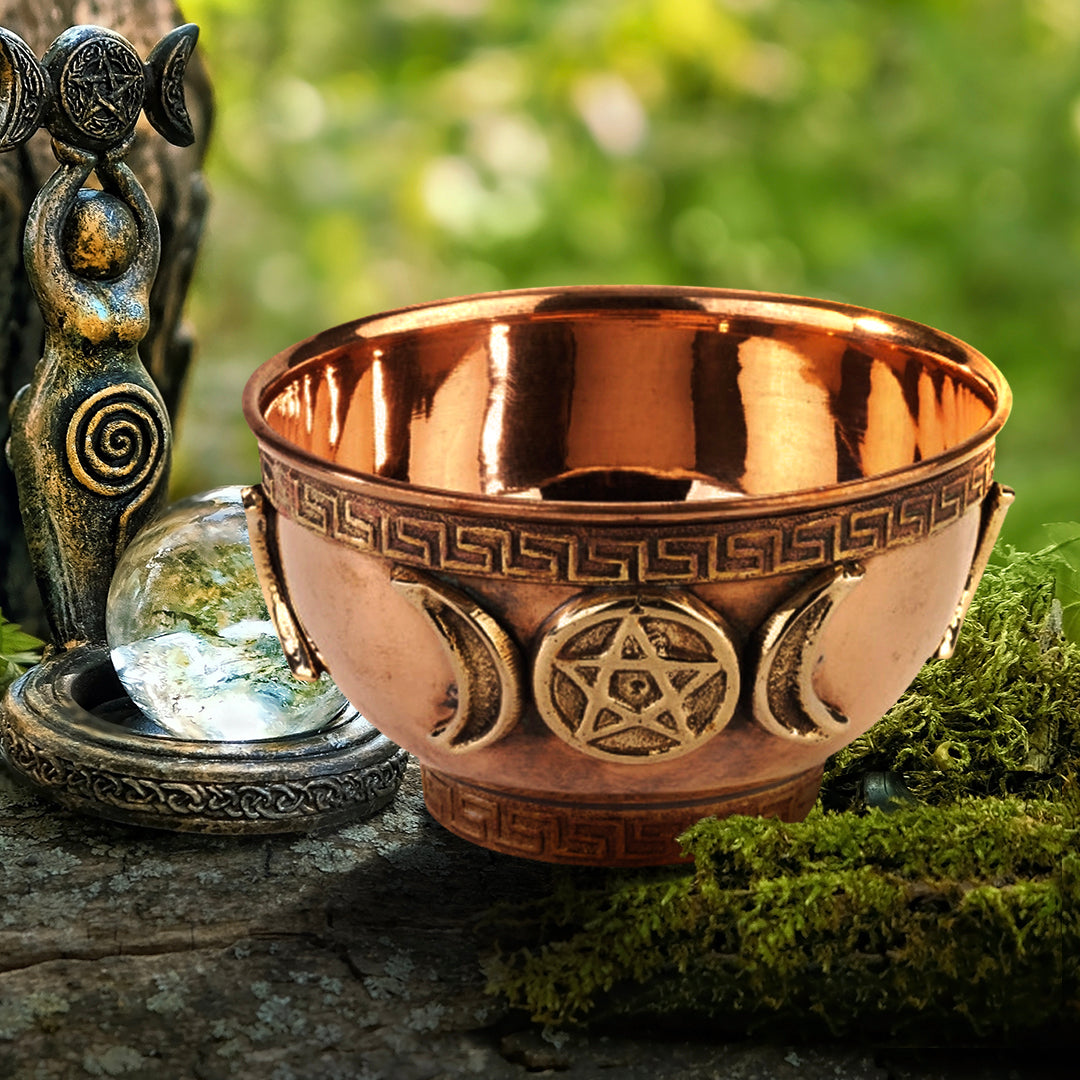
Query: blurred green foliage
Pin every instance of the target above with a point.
(918, 156)
(18, 651)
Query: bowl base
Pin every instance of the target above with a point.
(606, 833)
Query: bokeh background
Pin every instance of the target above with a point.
(917, 156)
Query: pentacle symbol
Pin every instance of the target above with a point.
(102, 87)
(785, 701)
(636, 678)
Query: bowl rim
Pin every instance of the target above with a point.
(830, 317)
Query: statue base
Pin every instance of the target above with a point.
(68, 728)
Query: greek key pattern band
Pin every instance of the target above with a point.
(564, 553)
(534, 828)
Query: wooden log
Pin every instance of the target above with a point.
(353, 954)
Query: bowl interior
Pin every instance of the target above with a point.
(632, 402)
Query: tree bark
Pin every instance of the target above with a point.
(356, 953)
(171, 176)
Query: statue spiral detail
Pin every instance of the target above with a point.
(116, 444)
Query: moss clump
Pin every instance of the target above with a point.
(955, 917)
(963, 917)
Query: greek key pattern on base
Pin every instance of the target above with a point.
(591, 835)
(683, 553)
(278, 801)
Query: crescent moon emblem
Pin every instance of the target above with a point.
(785, 702)
(994, 508)
(165, 68)
(24, 91)
(485, 661)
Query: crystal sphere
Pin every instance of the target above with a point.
(190, 636)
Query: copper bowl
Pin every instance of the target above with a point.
(610, 560)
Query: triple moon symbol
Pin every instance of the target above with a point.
(117, 440)
(636, 678)
(632, 678)
(486, 692)
(785, 701)
(90, 87)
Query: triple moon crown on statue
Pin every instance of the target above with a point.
(90, 435)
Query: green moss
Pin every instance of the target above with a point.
(958, 916)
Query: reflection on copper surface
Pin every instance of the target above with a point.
(871, 324)
(781, 391)
(495, 413)
(334, 432)
(619, 404)
(309, 412)
(380, 432)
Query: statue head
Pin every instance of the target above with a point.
(100, 236)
